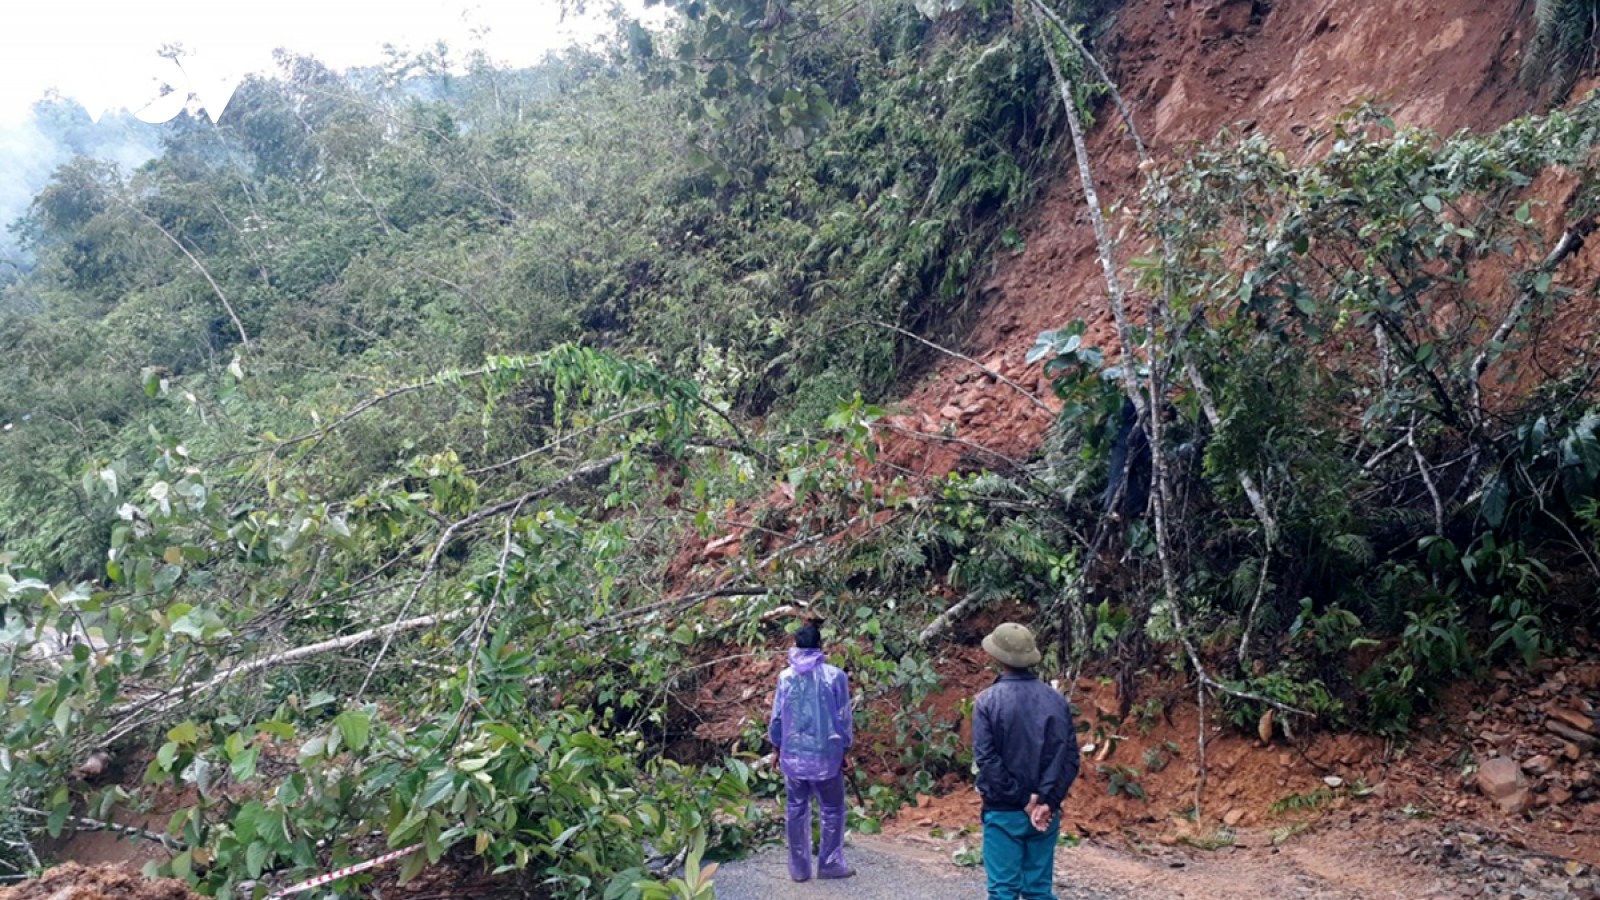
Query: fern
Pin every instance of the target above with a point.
(1562, 45)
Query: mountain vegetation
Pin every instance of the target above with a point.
(362, 451)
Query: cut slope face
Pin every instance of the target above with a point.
(1192, 68)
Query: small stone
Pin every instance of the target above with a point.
(1559, 796)
(1537, 765)
(1563, 730)
(1233, 817)
(1333, 781)
(1572, 717)
(1571, 751)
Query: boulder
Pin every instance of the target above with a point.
(1500, 779)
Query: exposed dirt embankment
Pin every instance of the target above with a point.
(106, 882)
(1191, 68)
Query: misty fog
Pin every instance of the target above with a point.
(56, 130)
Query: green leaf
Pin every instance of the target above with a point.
(166, 756)
(58, 819)
(244, 765)
(442, 786)
(565, 836)
(255, 858)
(413, 866)
(354, 726)
(281, 730)
(1433, 203)
(183, 733)
(1496, 500)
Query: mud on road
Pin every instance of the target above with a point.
(1330, 864)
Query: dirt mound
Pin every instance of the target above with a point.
(75, 882)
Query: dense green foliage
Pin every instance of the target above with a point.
(353, 439)
(354, 234)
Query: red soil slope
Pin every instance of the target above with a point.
(1191, 68)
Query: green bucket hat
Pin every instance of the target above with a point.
(1013, 645)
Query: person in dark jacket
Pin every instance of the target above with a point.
(1128, 476)
(813, 727)
(1026, 750)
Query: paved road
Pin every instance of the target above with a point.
(888, 870)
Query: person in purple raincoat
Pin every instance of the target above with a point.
(812, 729)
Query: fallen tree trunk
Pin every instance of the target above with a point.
(135, 712)
(945, 619)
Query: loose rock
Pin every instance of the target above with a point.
(1500, 779)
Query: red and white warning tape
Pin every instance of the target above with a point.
(321, 880)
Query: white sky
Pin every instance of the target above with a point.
(103, 51)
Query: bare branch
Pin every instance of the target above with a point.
(1038, 404)
(551, 445)
(243, 338)
(1427, 477)
(1255, 605)
(134, 713)
(1571, 241)
(88, 824)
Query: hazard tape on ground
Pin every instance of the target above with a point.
(321, 880)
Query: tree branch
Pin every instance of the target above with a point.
(97, 825)
(1038, 404)
(1571, 241)
(243, 338)
(164, 702)
(574, 477)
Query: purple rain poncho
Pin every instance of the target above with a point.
(812, 724)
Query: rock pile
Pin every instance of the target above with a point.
(1537, 745)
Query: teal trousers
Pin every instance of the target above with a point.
(1019, 861)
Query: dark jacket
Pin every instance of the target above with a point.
(1023, 742)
